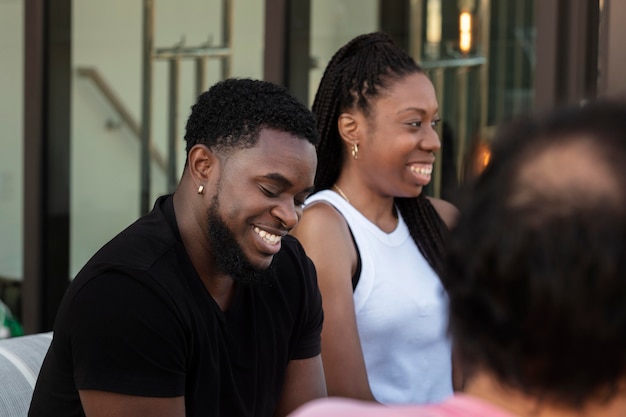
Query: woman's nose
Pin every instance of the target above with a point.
(430, 141)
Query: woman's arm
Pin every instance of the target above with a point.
(325, 236)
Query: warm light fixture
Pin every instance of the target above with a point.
(433, 21)
(465, 32)
(482, 157)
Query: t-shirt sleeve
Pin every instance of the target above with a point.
(311, 314)
(126, 337)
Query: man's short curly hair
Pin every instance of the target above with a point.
(232, 113)
(537, 262)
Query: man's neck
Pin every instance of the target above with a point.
(485, 387)
(189, 221)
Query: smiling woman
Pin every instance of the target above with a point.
(376, 241)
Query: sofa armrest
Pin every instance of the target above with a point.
(20, 361)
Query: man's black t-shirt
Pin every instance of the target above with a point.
(137, 320)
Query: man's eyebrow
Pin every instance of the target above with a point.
(283, 181)
(278, 178)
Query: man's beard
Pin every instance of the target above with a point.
(229, 256)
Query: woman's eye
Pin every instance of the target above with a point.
(434, 123)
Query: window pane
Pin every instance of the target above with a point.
(333, 23)
(480, 56)
(107, 61)
(11, 149)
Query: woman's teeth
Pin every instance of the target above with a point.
(422, 170)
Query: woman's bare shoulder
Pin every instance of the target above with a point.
(448, 212)
(321, 219)
(326, 238)
(320, 214)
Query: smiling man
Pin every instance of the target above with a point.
(205, 306)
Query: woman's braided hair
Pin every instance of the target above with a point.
(354, 76)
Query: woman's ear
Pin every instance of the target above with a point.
(348, 126)
(201, 160)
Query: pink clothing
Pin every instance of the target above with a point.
(459, 405)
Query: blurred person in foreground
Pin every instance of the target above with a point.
(205, 306)
(536, 276)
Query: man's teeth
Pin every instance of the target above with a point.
(422, 170)
(268, 237)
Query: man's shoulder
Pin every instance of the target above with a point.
(291, 245)
(292, 256)
(145, 254)
(294, 271)
(137, 247)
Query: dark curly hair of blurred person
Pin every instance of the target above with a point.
(536, 267)
(232, 112)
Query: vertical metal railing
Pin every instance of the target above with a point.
(227, 36)
(173, 125)
(416, 22)
(146, 104)
(174, 56)
(500, 71)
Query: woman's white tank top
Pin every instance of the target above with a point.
(401, 311)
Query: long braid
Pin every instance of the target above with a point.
(329, 150)
(355, 74)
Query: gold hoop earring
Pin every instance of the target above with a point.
(201, 189)
(355, 150)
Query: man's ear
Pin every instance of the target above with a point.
(201, 163)
(348, 126)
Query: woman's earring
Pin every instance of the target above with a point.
(355, 150)
(201, 189)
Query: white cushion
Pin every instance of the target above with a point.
(20, 361)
